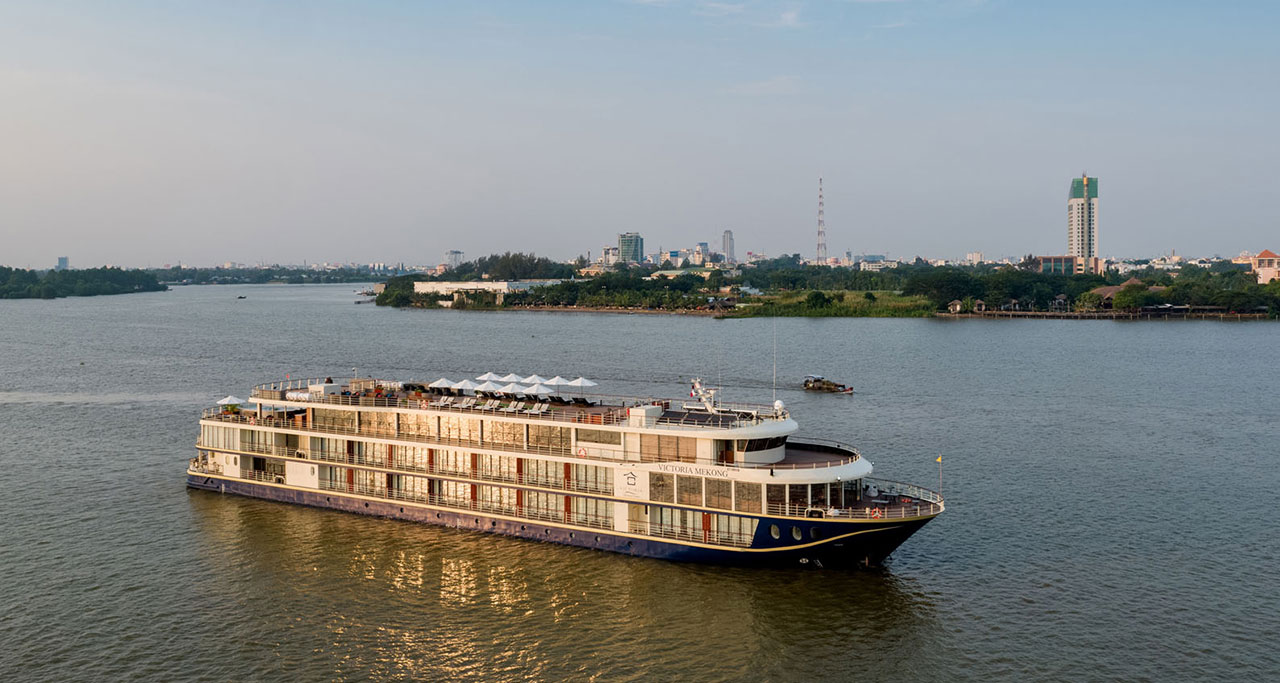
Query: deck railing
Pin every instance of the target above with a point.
(583, 451)
(732, 414)
(365, 461)
(559, 516)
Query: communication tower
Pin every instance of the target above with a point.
(822, 228)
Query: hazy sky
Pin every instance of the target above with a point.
(144, 133)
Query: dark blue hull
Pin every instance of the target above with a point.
(843, 545)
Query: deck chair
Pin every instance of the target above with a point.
(442, 402)
(512, 407)
(466, 403)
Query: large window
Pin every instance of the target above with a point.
(776, 496)
(798, 495)
(460, 428)
(344, 420)
(591, 478)
(496, 498)
(544, 436)
(746, 496)
(544, 505)
(662, 487)
(500, 432)
(592, 512)
(660, 447)
(544, 473)
(420, 425)
(689, 490)
(720, 494)
(600, 436)
(502, 467)
(748, 445)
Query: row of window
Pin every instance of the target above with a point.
(743, 496)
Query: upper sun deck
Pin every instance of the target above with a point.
(575, 407)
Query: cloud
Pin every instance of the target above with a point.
(787, 19)
(778, 85)
(718, 9)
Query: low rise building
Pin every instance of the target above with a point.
(1266, 265)
(500, 288)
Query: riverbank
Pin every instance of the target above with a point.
(1109, 315)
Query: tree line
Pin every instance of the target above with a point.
(18, 283)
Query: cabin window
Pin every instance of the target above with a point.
(662, 487)
(776, 496)
(541, 505)
(798, 495)
(746, 496)
(544, 473)
(460, 428)
(592, 512)
(796, 533)
(543, 436)
(600, 436)
(818, 495)
(420, 425)
(689, 490)
(720, 494)
(774, 531)
(748, 445)
(661, 447)
(511, 433)
(592, 478)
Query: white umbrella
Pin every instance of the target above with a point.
(582, 382)
(464, 385)
(487, 386)
(534, 379)
(231, 401)
(442, 383)
(557, 381)
(513, 377)
(489, 377)
(513, 388)
(539, 390)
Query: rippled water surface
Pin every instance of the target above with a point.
(1112, 493)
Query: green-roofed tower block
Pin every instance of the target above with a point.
(1079, 186)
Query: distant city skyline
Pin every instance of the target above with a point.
(142, 134)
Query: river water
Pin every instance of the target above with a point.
(1111, 490)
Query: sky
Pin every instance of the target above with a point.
(153, 132)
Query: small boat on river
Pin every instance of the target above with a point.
(820, 383)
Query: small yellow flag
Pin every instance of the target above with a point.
(939, 458)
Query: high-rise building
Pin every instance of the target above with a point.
(727, 247)
(630, 247)
(1082, 219)
(453, 258)
(63, 263)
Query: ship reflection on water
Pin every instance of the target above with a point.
(394, 599)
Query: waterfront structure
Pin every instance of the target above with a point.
(1266, 265)
(630, 247)
(1082, 221)
(499, 288)
(693, 479)
(726, 247)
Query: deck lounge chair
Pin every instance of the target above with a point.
(441, 403)
(538, 409)
(491, 404)
(512, 407)
(466, 403)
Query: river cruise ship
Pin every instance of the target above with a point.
(689, 479)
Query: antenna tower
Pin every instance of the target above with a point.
(822, 228)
